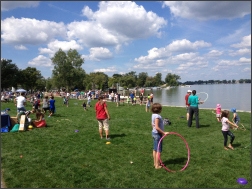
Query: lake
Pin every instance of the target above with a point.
(228, 95)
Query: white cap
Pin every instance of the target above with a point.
(189, 91)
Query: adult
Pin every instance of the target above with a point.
(193, 102)
(141, 98)
(189, 92)
(20, 102)
(102, 116)
(112, 96)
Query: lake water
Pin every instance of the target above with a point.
(228, 95)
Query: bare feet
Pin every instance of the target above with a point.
(231, 147)
(158, 167)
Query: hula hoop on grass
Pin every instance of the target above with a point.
(241, 127)
(188, 152)
(206, 96)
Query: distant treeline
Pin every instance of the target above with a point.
(199, 82)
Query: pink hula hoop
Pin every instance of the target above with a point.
(188, 152)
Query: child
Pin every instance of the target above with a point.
(147, 105)
(225, 129)
(157, 132)
(128, 100)
(89, 100)
(235, 118)
(84, 105)
(40, 121)
(45, 105)
(52, 106)
(218, 112)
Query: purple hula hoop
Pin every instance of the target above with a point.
(188, 151)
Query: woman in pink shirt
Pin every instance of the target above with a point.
(226, 131)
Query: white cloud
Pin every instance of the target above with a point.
(8, 5)
(20, 47)
(247, 69)
(240, 52)
(115, 23)
(98, 54)
(176, 46)
(30, 31)
(106, 70)
(245, 60)
(214, 53)
(200, 10)
(246, 42)
(55, 45)
(40, 61)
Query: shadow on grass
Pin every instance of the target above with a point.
(204, 125)
(236, 145)
(117, 135)
(178, 161)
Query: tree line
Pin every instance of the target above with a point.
(68, 74)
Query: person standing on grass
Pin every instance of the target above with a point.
(147, 108)
(218, 112)
(52, 106)
(102, 115)
(84, 105)
(151, 98)
(20, 102)
(141, 98)
(189, 92)
(235, 118)
(89, 100)
(193, 102)
(45, 105)
(226, 131)
(157, 132)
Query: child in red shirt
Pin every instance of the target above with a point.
(102, 115)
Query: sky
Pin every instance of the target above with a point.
(197, 40)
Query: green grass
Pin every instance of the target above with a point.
(59, 157)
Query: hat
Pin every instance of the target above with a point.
(218, 106)
(189, 91)
(233, 110)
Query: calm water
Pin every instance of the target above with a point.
(228, 95)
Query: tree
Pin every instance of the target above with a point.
(99, 80)
(158, 79)
(10, 74)
(30, 78)
(142, 79)
(67, 68)
(172, 79)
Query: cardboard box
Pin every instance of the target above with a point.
(13, 121)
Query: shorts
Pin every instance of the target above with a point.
(46, 108)
(156, 138)
(52, 110)
(103, 123)
(218, 115)
(21, 109)
(151, 99)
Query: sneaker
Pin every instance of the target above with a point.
(107, 138)
(49, 116)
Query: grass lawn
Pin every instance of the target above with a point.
(59, 157)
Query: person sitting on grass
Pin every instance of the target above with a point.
(40, 120)
(157, 132)
(225, 129)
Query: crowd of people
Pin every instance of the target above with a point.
(192, 103)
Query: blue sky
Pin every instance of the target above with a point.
(197, 40)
